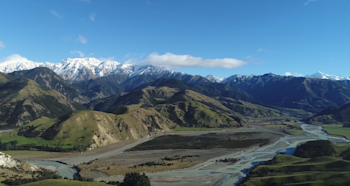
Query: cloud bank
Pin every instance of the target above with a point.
(174, 61)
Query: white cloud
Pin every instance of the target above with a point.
(92, 16)
(308, 2)
(293, 74)
(81, 54)
(173, 61)
(54, 13)
(260, 50)
(2, 45)
(82, 39)
(14, 57)
(87, 1)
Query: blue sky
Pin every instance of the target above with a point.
(221, 37)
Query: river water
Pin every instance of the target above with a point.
(230, 174)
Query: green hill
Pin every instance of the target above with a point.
(91, 128)
(48, 78)
(154, 95)
(327, 164)
(22, 101)
(4, 78)
(332, 115)
(289, 170)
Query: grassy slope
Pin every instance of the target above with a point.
(298, 171)
(337, 130)
(23, 100)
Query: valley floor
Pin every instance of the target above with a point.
(202, 170)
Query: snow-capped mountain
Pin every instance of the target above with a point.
(16, 65)
(77, 69)
(214, 79)
(322, 75)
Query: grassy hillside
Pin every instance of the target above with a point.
(48, 78)
(90, 128)
(319, 163)
(141, 113)
(23, 100)
(284, 169)
(249, 109)
(4, 78)
(332, 115)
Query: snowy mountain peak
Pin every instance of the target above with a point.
(214, 79)
(322, 75)
(16, 65)
(76, 69)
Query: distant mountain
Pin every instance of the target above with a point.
(321, 75)
(214, 79)
(293, 92)
(332, 115)
(208, 89)
(46, 77)
(23, 100)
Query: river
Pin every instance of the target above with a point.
(228, 175)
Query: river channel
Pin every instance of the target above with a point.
(228, 175)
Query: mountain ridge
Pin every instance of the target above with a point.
(78, 69)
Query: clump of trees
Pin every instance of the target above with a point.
(313, 149)
(135, 179)
(152, 163)
(177, 157)
(13, 145)
(228, 160)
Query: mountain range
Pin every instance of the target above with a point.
(53, 90)
(78, 69)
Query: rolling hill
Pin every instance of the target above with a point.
(23, 100)
(332, 115)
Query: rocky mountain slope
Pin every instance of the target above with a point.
(23, 100)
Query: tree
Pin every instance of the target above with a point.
(313, 149)
(136, 179)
